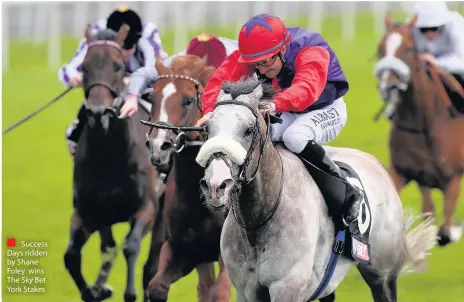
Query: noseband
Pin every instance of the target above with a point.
(118, 100)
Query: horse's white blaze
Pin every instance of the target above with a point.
(393, 43)
(221, 173)
(223, 144)
(168, 91)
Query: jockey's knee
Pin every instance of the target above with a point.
(296, 137)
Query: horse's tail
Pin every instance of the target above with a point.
(418, 242)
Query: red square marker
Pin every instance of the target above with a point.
(11, 242)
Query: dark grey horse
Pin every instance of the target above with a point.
(113, 178)
(278, 236)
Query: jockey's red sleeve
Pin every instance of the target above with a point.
(311, 68)
(231, 70)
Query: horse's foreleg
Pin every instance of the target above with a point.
(108, 255)
(171, 267)
(73, 257)
(451, 195)
(398, 180)
(139, 227)
(206, 276)
(223, 285)
(329, 298)
(427, 203)
(158, 236)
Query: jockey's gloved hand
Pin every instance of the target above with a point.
(267, 107)
(201, 122)
(130, 107)
(76, 81)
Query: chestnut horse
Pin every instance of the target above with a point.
(426, 139)
(193, 231)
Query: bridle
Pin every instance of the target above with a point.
(118, 99)
(181, 141)
(241, 178)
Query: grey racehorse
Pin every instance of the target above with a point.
(278, 236)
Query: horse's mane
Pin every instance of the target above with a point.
(246, 85)
(106, 35)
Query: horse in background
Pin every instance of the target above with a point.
(193, 231)
(278, 241)
(113, 177)
(426, 139)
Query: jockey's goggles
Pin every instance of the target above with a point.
(425, 30)
(265, 63)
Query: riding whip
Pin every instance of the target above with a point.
(30, 115)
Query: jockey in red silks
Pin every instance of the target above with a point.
(310, 82)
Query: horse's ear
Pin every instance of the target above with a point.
(122, 34)
(159, 65)
(206, 74)
(201, 64)
(413, 21)
(388, 20)
(88, 34)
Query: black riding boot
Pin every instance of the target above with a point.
(346, 203)
(74, 131)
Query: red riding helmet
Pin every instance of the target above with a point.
(261, 37)
(207, 44)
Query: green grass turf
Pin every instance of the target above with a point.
(37, 174)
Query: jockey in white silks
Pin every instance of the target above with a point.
(439, 37)
(141, 47)
(215, 48)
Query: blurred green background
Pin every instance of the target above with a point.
(37, 172)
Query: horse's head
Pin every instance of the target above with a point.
(103, 72)
(237, 137)
(397, 57)
(176, 102)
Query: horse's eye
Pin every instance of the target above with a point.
(248, 131)
(117, 67)
(188, 101)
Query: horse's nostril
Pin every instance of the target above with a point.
(147, 144)
(203, 185)
(223, 186)
(166, 146)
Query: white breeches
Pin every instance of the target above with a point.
(321, 126)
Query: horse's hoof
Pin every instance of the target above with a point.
(129, 297)
(88, 294)
(443, 237)
(103, 292)
(96, 293)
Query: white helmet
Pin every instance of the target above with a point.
(432, 14)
